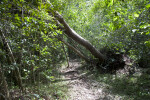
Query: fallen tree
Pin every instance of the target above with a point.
(74, 49)
(76, 37)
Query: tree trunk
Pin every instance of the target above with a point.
(4, 93)
(12, 60)
(72, 34)
(67, 58)
(74, 49)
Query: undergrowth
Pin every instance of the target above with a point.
(129, 87)
(44, 88)
(54, 91)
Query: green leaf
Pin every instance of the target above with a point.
(147, 43)
(21, 0)
(147, 32)
(136, 15)
(115, 18)
(111, 3)
(148, 6)
(145, 25)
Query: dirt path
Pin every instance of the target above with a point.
(81, 87)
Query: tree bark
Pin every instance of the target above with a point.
(75, 50)
(72, 34)
(13, 61)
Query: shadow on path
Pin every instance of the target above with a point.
(81, 86)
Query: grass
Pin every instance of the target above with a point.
(44, 88)
(134, 87)
(129, 87)
(52, 91)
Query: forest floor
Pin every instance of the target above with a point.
(77, 82)
(81, 85)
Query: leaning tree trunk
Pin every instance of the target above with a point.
(72, 34)
(12, 60)
(74, 49)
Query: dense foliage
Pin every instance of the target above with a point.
(122, 26)
(29, 28)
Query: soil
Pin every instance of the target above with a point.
(82, 87)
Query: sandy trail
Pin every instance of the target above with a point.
(81, 87)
